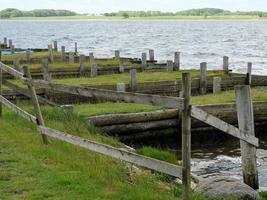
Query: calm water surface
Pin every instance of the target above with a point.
(199, 41)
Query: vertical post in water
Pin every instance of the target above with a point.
(12, 49)
(63, 54)
(249, 71)
(76, 47)
(169, 65)
(55, 46)
(28, 56)
(151, 55)
(217, 84)
(226, 64)
(203, 78)
(176, 61)
(5, 42)
(94, 70)
(144, 61)
(117, 54)
(133, 80)
(40, 120)
(246, 125)
(186, 136)
(10, 44)
(50, 53)
(121, 66)
(91, 58)
(82, 68)
(71, 58)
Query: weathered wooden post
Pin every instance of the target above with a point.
(5, 42)
(121, 66)
(133, 79)
(91, 58)
(117, 54)
(217, 84)
(10, 43)
(16, 64)
(120, 87)
(226, 64)
(246, 125)
(94, 70)
(151, 55)
(203, 78)
(82, 67)
(169, 65)
(63, 54)
(46, 74)
(71, 57)
(144, 61)
(177, 61)
(50, 52)
(12, 49)
(76, 47)
(55, 46)
(1, 81)
(28, 56)
(186, 136)
(249, 71)
(40, 120)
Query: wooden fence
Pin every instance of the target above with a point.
(245, 132)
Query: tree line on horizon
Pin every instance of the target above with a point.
(12, 12)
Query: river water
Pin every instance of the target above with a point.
(199, 41)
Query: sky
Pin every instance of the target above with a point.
(101, 6)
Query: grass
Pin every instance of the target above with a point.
(31, 170)
(111, 108)
(125, 77)
(257, 93)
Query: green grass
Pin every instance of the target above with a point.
(31, 170)
(125, 77)
(111, 108)
(158, 154)
(257, 93)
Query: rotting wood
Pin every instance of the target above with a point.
(150, 163)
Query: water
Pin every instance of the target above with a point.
(199, 41)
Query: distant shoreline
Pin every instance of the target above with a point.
(226, 17)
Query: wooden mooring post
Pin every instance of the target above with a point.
(177, 61)
(246, 125)
(71, 57)
(40, 120)
(94, 71)
(226, 64)
(217, 84)
(186, 136)
(169, 65)
(144, 60)
(132, 83)
(203, 78)
(91, 57)
(249, 74)
(16, 64)
(82, 65)
(76, 48)
(117, 54)
(121, 66)
(28, 56)
(5, 42)
(50, 53)
(10, 43)
(63, 54)
(55, 46)
(151, 55)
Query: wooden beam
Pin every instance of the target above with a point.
(11, 71)
(150, 163)
(205, 117)
(18, 110)
(156, 100)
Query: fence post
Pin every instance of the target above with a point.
(120, 87)
(63, 54)
(132, 83)
(186, 136)
(151, 55)
(249, 71)
(121, 66)
(5, 42)
(226, 64)
(169, 65)
(55, 46)
(1, 81)
(144, 61)
(76, 47)
(217, 84)
(177, 61)
(82, 68)
(46, 74)
(203, 78)
(71, 58)
(246, 125)
(12, 49)
(10, 44)
(91, 58)
(50, 50)
(40, 120)
(117, 54)
(28, 56)
(16, 63)
(94, 70)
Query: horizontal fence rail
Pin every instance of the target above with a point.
(156, 100)
(150, 163)
(18, 110)
(207, 118)
(11, 71)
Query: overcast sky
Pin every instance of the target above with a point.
(100, 6)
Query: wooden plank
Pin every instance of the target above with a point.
(18, 110)
(246, 125)
(205, 117)
(1, 81)
(11, 71)
(150, 163)
(156, 100)
(186, 136)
